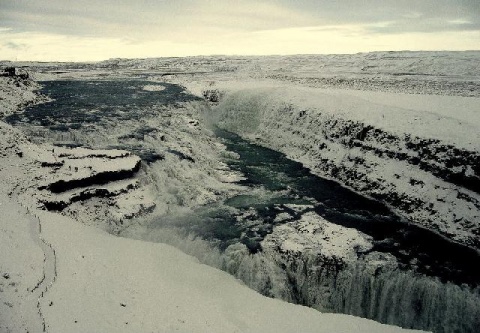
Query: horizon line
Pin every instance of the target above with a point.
(236, 55)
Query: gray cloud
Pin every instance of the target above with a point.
(83, 17)
(429, 25)
(151, 18)
(148, 19)
(15, 46)
(402, 15)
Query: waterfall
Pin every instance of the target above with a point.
(403, 298)
(385, 294)
(394, 297)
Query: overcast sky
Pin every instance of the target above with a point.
(84, 30)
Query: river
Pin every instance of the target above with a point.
(432, 288)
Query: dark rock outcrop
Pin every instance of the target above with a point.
(100, 178)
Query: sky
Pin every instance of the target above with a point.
(92, 30)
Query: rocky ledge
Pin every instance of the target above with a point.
(75, 181)
(69, 176)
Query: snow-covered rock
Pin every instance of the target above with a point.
(422, 163)
(313, 234)
(112, 284)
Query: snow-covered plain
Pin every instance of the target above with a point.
(381, 124)
(58, 275)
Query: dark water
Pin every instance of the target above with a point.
(77, 104)
(90, 106)
(290, 182)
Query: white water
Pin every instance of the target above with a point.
(391, 296)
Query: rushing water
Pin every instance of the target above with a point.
(426, 292)
(277, 181)
(427, 300)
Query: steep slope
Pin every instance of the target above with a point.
(425, 165)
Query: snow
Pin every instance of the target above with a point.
(459, 108)
(95, 281)
(452, 119)
(312, 233)
(112, 284)
(151, 87)
(21, 268)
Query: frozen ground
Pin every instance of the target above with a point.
(381, 124)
